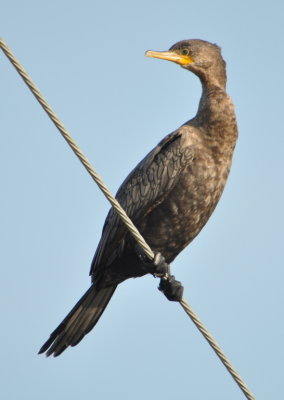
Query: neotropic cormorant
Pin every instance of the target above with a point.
(169, 195)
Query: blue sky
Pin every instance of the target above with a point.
(88, 59)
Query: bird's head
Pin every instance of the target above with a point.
(201, 57)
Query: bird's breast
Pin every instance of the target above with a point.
(178, 219)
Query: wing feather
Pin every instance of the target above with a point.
(143, 189)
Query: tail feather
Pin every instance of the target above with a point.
(80, 320)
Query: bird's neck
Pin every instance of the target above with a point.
(215, 107)
(216, 119)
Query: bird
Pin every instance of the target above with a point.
(169, 195)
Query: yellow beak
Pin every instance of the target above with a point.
(170, 56)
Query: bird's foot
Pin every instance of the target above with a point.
(161, 268)
(157, 266)
(172, 289)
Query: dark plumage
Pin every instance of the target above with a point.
(169, 195)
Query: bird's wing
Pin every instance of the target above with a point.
(143, 189)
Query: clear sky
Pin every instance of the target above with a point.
(88, 59)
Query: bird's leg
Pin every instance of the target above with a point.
(172, 289)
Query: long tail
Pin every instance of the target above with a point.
(81, 319)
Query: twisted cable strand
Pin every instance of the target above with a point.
(237, 378)
(134, 231)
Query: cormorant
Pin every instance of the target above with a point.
(169, 195)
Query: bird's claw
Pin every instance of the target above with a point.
(172, 289)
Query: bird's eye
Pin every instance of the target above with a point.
(185, 52)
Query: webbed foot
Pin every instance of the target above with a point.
(172, 289)
(157, 267)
